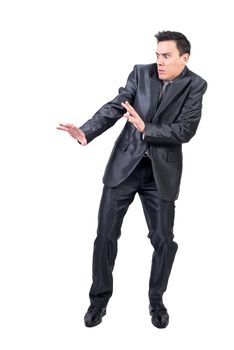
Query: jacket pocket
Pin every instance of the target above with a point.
(122, 144)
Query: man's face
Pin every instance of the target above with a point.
(170, 63)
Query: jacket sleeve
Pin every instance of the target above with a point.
(185, 126)
(108, 114)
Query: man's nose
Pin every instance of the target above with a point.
(160, 61)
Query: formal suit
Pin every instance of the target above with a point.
(156, 179)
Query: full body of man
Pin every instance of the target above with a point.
(162, 103)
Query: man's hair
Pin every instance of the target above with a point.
(182, 43)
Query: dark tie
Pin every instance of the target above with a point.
(163, 91)
(161, 95)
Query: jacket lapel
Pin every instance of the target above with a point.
(155, 88)
(176, 87)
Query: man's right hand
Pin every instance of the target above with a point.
(74, 132)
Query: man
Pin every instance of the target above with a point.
(162, 103)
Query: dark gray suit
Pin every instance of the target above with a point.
(173, 123)
(156, 179)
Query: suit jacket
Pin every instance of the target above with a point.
(174, 122)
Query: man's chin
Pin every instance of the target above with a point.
(162, 76)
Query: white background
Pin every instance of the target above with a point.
(60, 62)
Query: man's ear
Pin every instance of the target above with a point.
(186, 57)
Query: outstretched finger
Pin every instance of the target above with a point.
(68, 125)
(130, 108)
(62, 128)
(125, 106)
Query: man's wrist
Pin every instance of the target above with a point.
(82, 142)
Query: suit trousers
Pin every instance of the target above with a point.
(159, 215)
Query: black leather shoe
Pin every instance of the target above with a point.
(94, 316)
(160, 317)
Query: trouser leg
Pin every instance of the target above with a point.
(159, 215)
(113, 206)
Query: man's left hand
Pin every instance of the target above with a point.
(133, 117)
